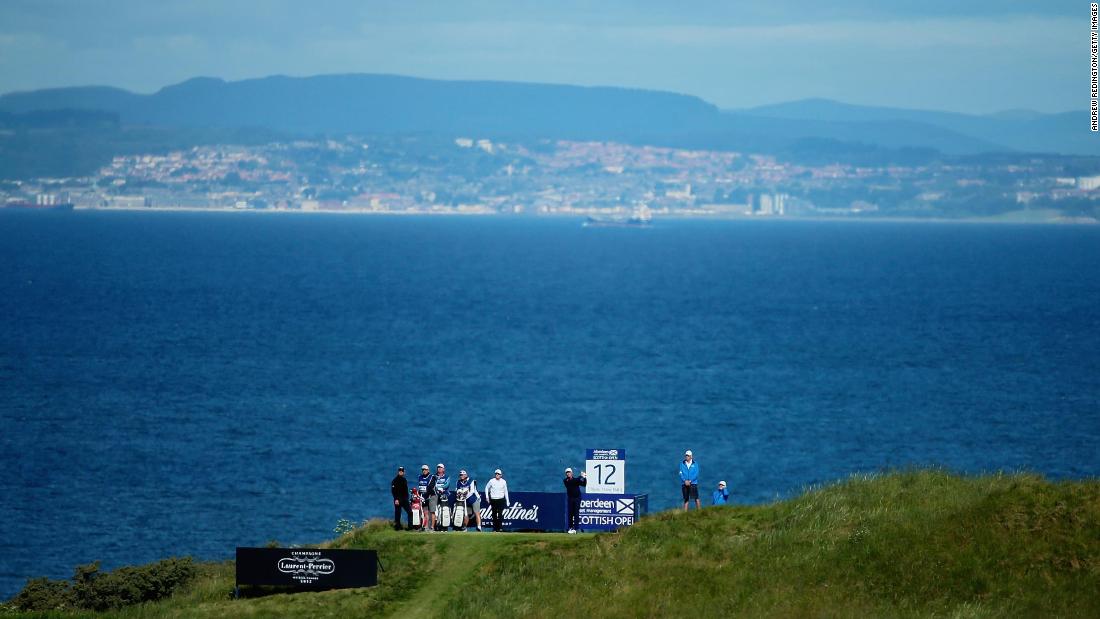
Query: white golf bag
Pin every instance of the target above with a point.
(442, 512)
(460, 507)
(417, 509)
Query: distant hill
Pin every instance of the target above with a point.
(58, 119)
(1021, 130)
(892, 133)
(370, 103)
(103, 98)
(387, 104)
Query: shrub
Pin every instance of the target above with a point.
(343, 526)
(44, 594)
(92, 589)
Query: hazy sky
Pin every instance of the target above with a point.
(981, 56)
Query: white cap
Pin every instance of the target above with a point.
(568, 470)
(721, 483)
(497, 472)
(687, 453)
(462, 472)
(423, 466)
(440, 466)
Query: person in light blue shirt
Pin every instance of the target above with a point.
(689, 480)
(721, 496)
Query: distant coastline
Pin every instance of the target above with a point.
(1012, 218)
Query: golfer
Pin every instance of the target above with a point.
(573, 491)
(689, 480)
(496, 492)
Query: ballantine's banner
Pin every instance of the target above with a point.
(547, 511)
(542, 511)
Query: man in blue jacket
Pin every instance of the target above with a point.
(721, 496)
(689, 480)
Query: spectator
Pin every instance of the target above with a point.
(721, 495)
(496, 491)
(399, 488)
(573, 491)
(689, 478)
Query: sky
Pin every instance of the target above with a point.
(966, 56)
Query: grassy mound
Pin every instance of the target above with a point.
(911, 544)
(920, 544)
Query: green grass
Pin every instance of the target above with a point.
(912, 544)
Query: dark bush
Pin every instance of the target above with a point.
(44, 594)
(92, 589)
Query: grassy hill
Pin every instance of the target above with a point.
(913, 544)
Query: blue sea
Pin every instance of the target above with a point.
(184, 383)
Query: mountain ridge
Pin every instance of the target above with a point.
(388, 103)
(1020, 130)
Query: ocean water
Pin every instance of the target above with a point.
(179, 383)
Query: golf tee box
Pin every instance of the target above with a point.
(307, 568)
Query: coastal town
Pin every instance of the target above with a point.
(471, 175)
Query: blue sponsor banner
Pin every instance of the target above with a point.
(548, 511)
(608, 512)
(539, 511)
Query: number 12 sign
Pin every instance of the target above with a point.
(606, 470)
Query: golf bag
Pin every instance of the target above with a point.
(460, 507)
(417, 507)
(442, 512)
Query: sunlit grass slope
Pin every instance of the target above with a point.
(914, 544)
(910, 544)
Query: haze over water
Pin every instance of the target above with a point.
(178, 383)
